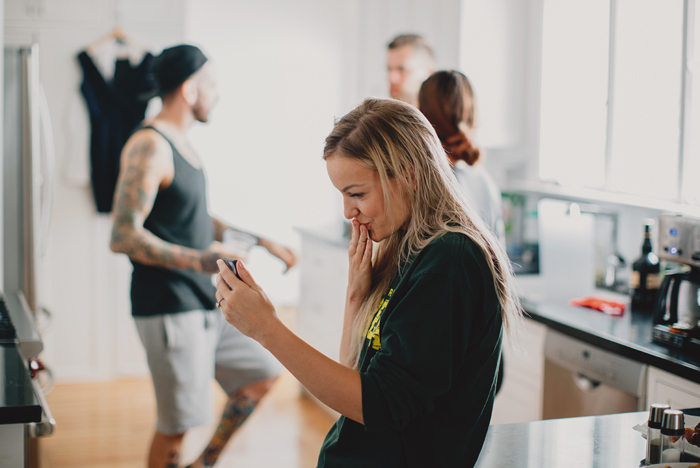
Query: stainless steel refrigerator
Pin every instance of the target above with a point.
(28, 175)
(28, 172)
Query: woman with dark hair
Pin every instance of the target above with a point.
(446, 98)
(424, 316)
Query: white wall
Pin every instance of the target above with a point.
(285, 72)
(382, 20)
(84, 284)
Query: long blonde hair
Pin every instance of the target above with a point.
(396, 140)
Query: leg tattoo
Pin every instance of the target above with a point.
(173, 460)
(237, 410)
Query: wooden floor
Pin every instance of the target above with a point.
(110, 425)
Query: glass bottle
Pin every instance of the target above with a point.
(656, 414)
(645, 279)
(672, 440)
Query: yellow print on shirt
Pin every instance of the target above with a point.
(373, 331)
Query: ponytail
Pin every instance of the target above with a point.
(446, 98)
(459, 146)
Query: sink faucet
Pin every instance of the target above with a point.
(615, 264)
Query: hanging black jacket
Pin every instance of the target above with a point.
(115, 110)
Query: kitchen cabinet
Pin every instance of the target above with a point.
(324, 277)
(672, 376)
(663, 387)
(11, 444)
(520, 398)
(323, 285)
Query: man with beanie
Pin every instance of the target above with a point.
(162, 223)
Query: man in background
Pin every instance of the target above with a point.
(161, 221)
(410, 61)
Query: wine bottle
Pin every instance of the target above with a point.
(645, 278)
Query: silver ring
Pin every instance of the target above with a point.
(218, 304)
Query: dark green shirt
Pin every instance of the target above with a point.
(429, 367)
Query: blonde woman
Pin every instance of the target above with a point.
(424, 314)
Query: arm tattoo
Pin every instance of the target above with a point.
(136, 193)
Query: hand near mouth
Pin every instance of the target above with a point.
(360, 256)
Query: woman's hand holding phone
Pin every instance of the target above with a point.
(243, 303)
(214, 252)
(231, 263)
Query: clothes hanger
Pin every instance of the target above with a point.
(125, 46)
(117, 35)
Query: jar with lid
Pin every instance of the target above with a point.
(672, 441)
(656, 414)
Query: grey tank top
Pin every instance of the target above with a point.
(179, 216)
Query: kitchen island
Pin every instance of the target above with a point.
(588, 442)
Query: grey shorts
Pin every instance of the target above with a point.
(185, 351)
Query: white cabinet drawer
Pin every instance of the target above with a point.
(679, 393)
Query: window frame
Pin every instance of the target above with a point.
(678, 200)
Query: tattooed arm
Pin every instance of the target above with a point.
(147, 167)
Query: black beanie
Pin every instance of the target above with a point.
(173, 66)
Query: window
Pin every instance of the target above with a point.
(613, 101)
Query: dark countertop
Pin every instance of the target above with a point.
(588, 442)
(628, 336)
(18, 402)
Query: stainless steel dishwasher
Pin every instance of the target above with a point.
(584, 380)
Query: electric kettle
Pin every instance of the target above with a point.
(677, 309)
(678, 302)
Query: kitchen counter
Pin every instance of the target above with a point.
(18, 402)
(628, 335)
(588, 442)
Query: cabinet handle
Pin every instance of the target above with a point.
(48, 423)
(584, 383)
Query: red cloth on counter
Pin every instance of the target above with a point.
(604, 305)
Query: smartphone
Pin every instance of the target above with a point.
(231, 262)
